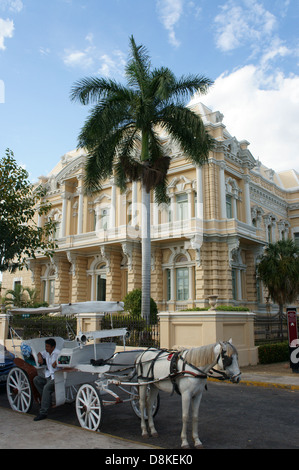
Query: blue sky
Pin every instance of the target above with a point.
(250, 48)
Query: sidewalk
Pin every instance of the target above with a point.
(278, 375)
(17, 432)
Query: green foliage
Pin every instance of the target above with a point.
(224, 308)
(22, 297)
(19, 235)
(279, 271)
(230, 308)
(43, 325)
(120, 133)
(276, 352)
(132, 305)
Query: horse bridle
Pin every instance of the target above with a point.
(226, 362)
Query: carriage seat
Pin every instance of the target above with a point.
(38, 344)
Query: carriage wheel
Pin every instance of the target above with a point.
(136, 407)
(89, 407)
(19, 392)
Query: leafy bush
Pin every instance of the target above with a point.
(224, 308)
(276, 352)
(230, 308)
(132, 305)
(36, 326)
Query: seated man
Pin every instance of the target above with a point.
(45, 385)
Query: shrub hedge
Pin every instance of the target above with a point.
(276, 352)
(223, 308)
(36, 326)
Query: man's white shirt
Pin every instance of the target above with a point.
(50, 359)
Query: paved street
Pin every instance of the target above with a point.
(231, 417)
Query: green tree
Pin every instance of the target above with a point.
(279, 271)
(121, 134)
(133, 302)
(20, 238)
(16, 296)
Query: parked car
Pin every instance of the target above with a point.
(5, 365)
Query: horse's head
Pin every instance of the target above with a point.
(228, 361)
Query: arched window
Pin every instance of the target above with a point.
(179, 277)
(98, 273)
(48, 285)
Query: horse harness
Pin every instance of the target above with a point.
(174, 357)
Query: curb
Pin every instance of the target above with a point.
(259, 383)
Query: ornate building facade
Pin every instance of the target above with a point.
(205, 242)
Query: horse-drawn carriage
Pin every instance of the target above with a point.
(86, 373)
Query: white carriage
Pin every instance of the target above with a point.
(85, 372)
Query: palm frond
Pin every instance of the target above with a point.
(92, 89)
(190, 84)
(138, 67)
(189, 131)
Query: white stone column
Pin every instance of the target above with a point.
(134, 204)
(172, 208)
(80, 206)
(222, 194)
(199, 203)
(113, 206)
(247, 199)
(64, 214)
(189, 206)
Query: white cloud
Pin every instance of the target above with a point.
(113, 64)
(169, 12)
(6, 31)
(14, 6)
(243, 22)
(91, 58)
(263, 109)
(81, 59)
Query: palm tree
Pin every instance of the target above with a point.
(16, 296)
(121, 134)
(279, 271)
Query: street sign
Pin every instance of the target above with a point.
(293, 338)
(292, 324)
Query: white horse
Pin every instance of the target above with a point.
(186, 372)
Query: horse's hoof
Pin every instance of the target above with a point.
(200, 446)
(155, 434)
(185, 447)
(144, 436)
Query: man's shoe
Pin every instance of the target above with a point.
(40, 417)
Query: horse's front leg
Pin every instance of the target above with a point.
(185, 413)
(142, 406)
(195, 409)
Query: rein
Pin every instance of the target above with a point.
(175, 373)
(201, 374)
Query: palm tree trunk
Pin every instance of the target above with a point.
(146, 254)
